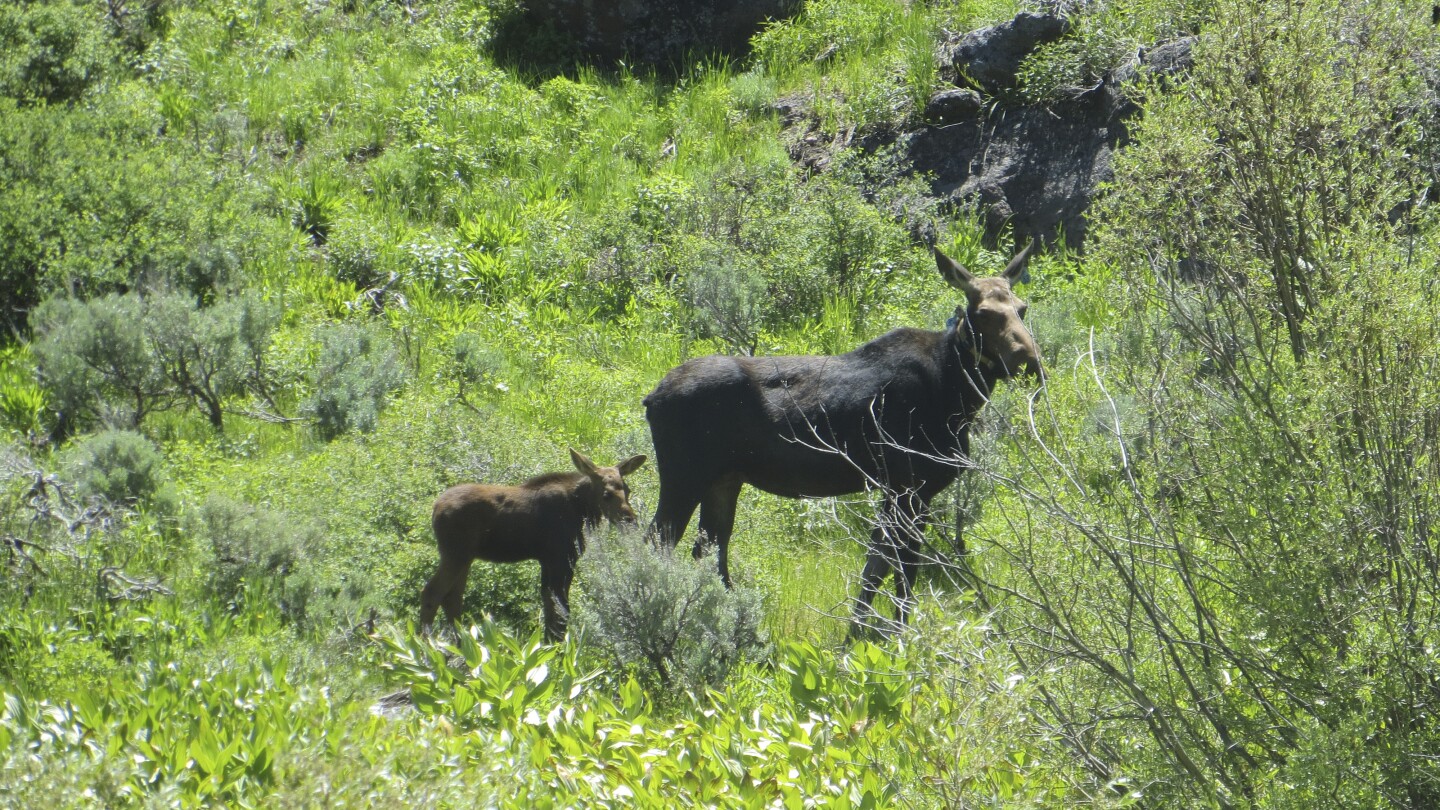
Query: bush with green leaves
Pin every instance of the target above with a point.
(359, 251)
(97, 202)
(766, 250)
(1227, 557)
(118, 358)
(121, 466)
(476, 361)
(353, 378)
(827, 29)
(95, 362)
(726, 293)
(944, 721)
(314, 202)
(1068, 67)
(255, 547)
(213, 353)
(23, 402)
(51, 51)
(667, 616)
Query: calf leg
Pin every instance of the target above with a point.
(446, 588)
(555, 579)
(717, 523)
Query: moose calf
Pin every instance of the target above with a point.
(542, 519)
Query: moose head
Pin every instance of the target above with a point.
(608, 485)
(994, 316)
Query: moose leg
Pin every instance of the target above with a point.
(912, 515)
(887, 543)
(677, 506)
(555, 579)
(909, 558)
(717, 523)
(877, 567)
(454, 599)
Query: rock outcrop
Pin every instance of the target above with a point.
(990, 58)
(1034, 168)
(1031, 168)
(658, 32)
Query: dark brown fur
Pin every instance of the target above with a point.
(893, 415)
(542, 519)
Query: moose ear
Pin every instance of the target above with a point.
(1015, 271)
(584, 464)
(954, 272)
(630, 465)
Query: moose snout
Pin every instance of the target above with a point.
(1034, 369)
(1023, 357)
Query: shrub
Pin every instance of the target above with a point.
(475, 362)
(1071, 66)
(50, 52)
(356, 372)
(95, 362)
(727, 295)
(120, 466)
(359, 251)
(826, 29)
(314, 203)
(23, 403)
(209, 354)
(1255, 492)
(668, 616)
(119, 358)
(255, 546)
(97, 203)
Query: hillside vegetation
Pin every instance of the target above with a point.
(275, 273)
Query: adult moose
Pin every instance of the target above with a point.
(542, 519)
(893, 415)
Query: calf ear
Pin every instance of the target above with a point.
(584, 464)
(630, 465)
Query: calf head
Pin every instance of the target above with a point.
(996, 315)
(608, 485)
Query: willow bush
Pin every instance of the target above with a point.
(1235, 561)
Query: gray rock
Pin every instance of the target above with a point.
(954, 106)
(1171, 58)
(1031, 169)
(990, 57)
(1166, 59)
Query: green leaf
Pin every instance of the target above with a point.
(462, 702)
(632, 698)
(205, 748)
